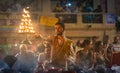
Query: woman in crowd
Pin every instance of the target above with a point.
(85, 58)
(99, 57)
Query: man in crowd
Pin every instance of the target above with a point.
(61, 47)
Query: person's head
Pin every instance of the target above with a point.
(98, 45)
(59, 28)
(116, 39)
(40, 47)
(23, 48)
(87, 43)
(10, 60)
(105, 45)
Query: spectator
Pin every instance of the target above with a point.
(78, 9)
(26, 60)
(88, 8)
(116, 44)
(15, 7)
(99, 57)
(98, 9)
(68, 8)
(58, 8)
(85, 58)
(10, 61)
(43, 59)
(2, 55)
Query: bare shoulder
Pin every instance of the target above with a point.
(68, 40)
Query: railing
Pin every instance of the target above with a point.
(14, 19)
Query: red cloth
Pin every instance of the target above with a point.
(115, 59)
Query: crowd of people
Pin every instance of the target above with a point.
(71, 6)
(81, 6)
(99, 56)
(10, 6)
(78, 6)
(58, 54)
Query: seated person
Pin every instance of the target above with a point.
(58, 8)
(98, 9)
